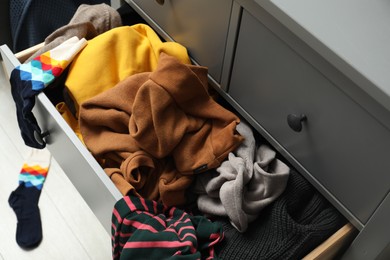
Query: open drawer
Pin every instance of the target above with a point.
(76, 161)
(89, 178)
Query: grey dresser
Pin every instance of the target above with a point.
(311, 77)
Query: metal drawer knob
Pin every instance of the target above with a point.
(160, 2)
(295, 121)
(39, 136)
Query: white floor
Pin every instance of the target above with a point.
(70, 230)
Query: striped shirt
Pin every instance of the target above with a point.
(145, 229)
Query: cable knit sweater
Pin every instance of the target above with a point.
(155, 130)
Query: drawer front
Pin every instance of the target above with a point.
(81, 168)
(201, 26)
(340, 145)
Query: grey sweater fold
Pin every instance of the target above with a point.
(249, 180)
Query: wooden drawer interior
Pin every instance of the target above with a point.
(329, 249)
(335, 245)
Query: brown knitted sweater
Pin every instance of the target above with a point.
(154, 130)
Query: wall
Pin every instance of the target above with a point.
(5, 32)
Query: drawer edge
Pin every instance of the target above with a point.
(9, 59)
(77, 162)
(93, 184)
(334, 245)
(22, 56)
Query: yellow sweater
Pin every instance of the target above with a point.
(113, 56)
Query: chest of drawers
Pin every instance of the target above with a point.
(272, 76)
(280, 63)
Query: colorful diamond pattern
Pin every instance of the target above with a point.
(33, 176)
(41, 71)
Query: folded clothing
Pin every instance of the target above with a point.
(145, 229)
(298, 221)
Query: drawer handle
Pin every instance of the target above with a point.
(39, 136)
(160, 2)
(295, 121)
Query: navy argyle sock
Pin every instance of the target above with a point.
(24, 200)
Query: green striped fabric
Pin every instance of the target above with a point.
(145, 229)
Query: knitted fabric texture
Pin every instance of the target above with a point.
(28, 80)
(145, 229)
(298, 221)
(35, 169)
(244, 184)
(156, 130)
(33, 175)
(87, 22)
(42, 70)
(24, 200)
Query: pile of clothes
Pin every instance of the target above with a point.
(195, 179)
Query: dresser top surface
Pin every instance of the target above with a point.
(354, 35)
